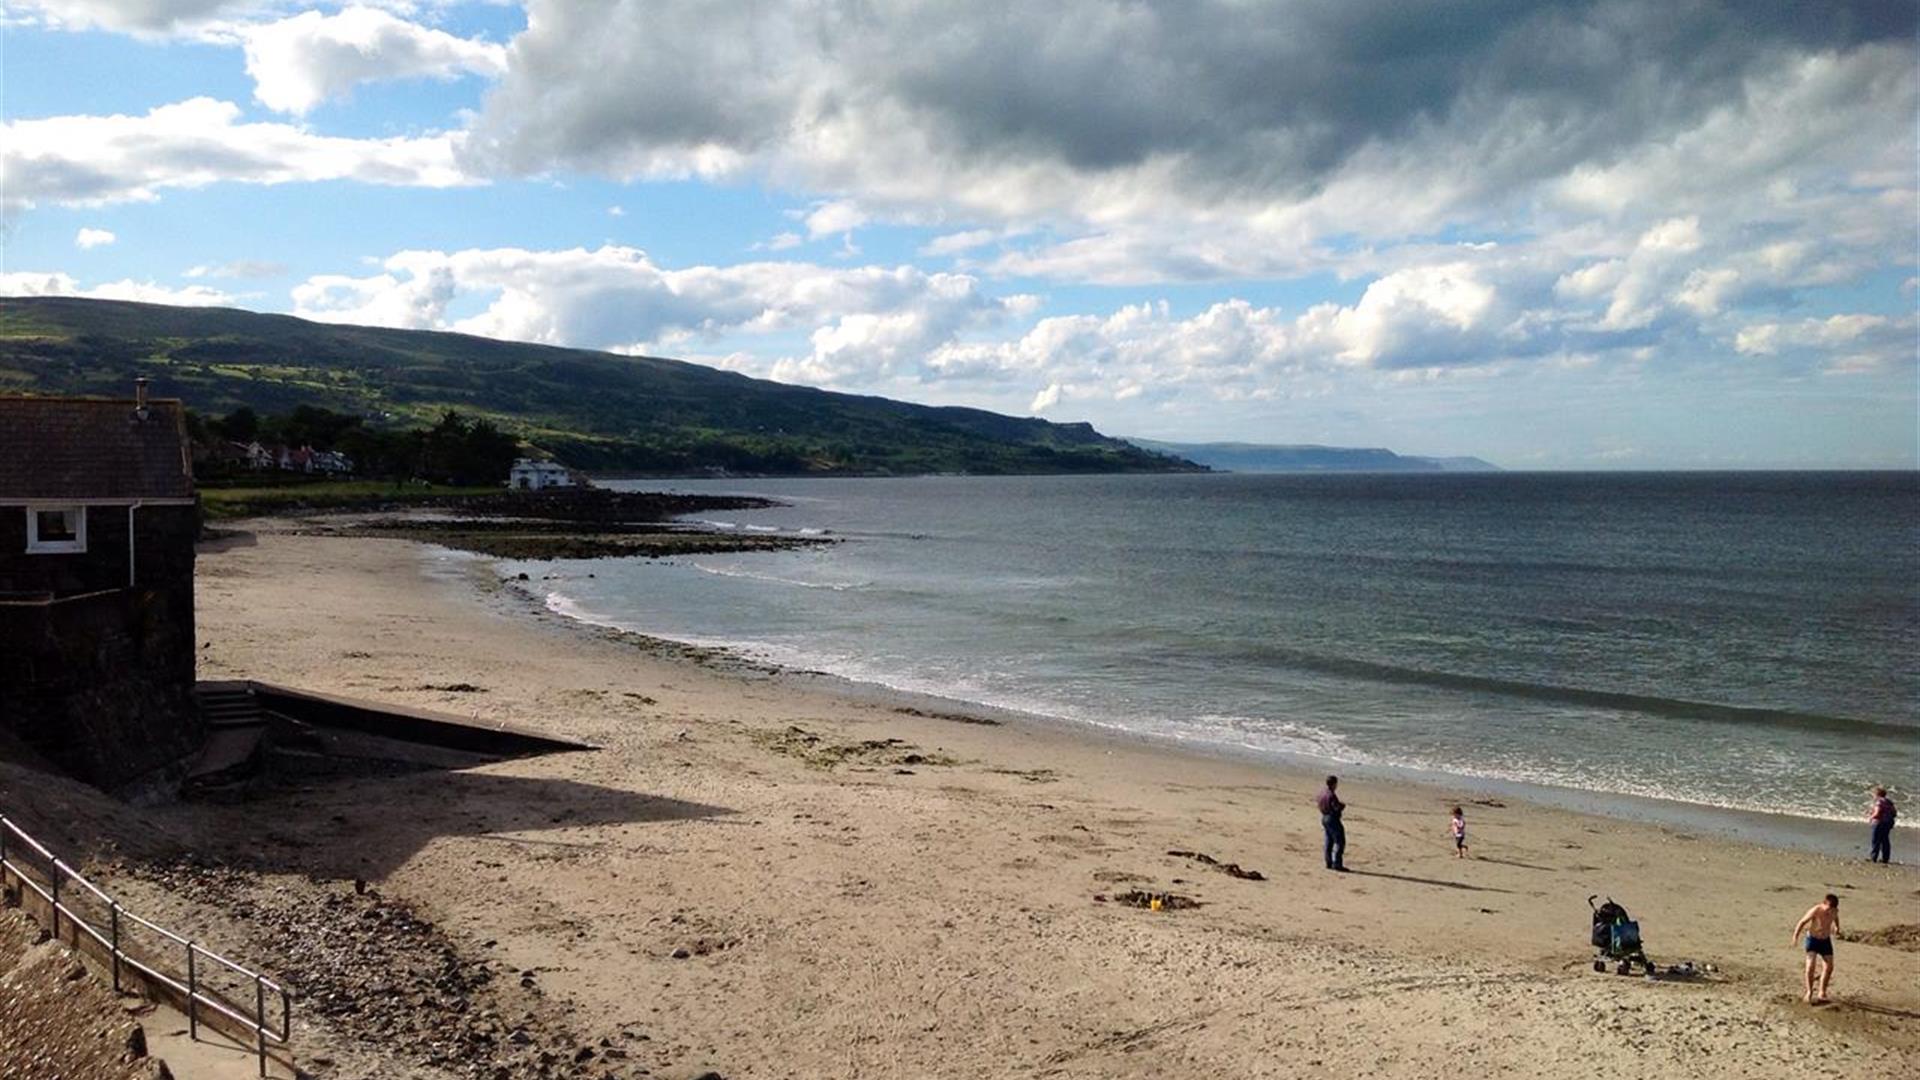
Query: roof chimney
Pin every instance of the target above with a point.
(140, 410)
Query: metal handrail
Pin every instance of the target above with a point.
(196, 994)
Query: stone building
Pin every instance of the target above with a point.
(98, 520)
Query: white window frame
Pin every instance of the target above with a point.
(75, 546)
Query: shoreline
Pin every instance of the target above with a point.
(1814, 835)
(759, 875)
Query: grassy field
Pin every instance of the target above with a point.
(226, 503)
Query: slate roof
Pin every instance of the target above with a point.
(93, 448)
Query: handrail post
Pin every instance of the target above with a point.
(83, 919)
(260, 1019)
(113, 912)
(193, 997)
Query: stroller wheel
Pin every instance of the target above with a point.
(1600, 965)
(1625, 968)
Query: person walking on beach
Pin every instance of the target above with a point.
(1821, 924)
(1881, 816)
(1330, 809)
(1459, 827)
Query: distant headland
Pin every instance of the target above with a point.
(1306, 457)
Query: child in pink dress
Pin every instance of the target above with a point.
(1459, 825)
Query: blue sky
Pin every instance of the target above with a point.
(1608, 234)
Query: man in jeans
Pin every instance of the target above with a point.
(1881, 818)
(1330, 809)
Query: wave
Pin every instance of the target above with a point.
(1257, 734)
(1652, 704)
(1263, 735)
(835, 586)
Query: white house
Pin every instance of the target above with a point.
(530, 475)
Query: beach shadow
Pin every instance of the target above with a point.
(370, 826)
(1430, 881)
(1878, 1010)
(213, 541)
(1514, 862)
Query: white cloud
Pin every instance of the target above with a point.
(616, 211)
(31, 283)
(1045, 399)
(138, 16)
(239, 268)
(88, 238)
(1768, 338)
(955, 243)
(94, 160)
(861, 324)
(1483, 312)
(297, 63)
(1420, 317)
(834, 218)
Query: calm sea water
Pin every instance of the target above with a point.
(1747, 641)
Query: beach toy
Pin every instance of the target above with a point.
(1153, 904)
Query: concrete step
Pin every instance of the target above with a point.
(228, 761)
(228, 706)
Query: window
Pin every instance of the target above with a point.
(53, 530)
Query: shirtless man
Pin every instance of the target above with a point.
(1819, 924)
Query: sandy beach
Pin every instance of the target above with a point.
(762, 875)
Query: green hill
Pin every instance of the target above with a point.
(591, 409)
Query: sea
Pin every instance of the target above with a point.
(1744, 642)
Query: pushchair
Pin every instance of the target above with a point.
(1616, 936)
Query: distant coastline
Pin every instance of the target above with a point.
(1308, 457)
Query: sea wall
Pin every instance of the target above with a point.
(101, 683)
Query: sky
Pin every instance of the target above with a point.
(1605, 234)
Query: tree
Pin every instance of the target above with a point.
(311, 425)
(457, 450)
(240, 425)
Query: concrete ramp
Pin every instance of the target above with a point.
(257, 729)
(402, 722)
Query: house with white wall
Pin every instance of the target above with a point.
(530, 475)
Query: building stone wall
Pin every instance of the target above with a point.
(101, 682)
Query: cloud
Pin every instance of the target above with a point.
(239, 268)
(955, 243)
(32, 283)
(95, 160)
(139, 16)
(1638, 286)
(834, 218)
(860, 324)
(88, 238)
(1376, 117)
(1481, 311)
(1845, 344)
(297, 63)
